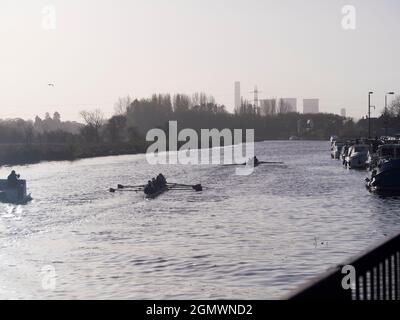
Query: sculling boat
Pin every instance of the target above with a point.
(157, 187)
(253, 162)
(156, 193)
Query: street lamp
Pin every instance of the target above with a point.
(391, 93)
(369, 114)
(386, 113)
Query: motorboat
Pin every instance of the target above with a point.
(357, 156)
(385, 178)
(336, 150)
(14, 194)
(372, 160)
(344, 152)
(333, 139)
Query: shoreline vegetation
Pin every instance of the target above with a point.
(50, 139)
(23, 154)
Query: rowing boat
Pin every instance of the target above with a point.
(157, 193)
(152, 195)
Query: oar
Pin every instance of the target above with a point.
(120, 186)
(233, 164)
(267, 162)
(196, 187)
(112, 190)
(245, 164)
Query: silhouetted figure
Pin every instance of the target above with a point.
(253, 162)
(161, 181)
(12, 179)
(149, 189)
(156, 184)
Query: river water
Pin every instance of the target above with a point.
(244, 237)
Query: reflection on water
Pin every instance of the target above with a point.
(243, 237)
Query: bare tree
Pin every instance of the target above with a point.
(94, 120)
(122, 105)
(394, 108)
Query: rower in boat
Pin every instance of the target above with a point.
(156, 185)
(253, 161)
(149, 188)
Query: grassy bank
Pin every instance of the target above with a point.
(17, 154)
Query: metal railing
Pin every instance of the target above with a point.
(376, 277)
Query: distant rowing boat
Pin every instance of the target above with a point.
(256, 164)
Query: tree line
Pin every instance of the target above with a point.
(52, 139)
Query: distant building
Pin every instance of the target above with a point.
(310, 106)
(343, 112)
(287, 105)
(267, 107)
(238, 97)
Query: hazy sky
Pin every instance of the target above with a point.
(103, 49)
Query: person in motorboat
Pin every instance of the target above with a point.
(12, 179)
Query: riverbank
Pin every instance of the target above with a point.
(20, 154)
(23, 154)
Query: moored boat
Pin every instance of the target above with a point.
(336, 149)
(357, 156)
(344, 153)
(385, 178)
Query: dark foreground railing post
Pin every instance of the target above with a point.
(384, 281)
(378, 282)
(373, 284)
(390, 285)
(396, 270)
